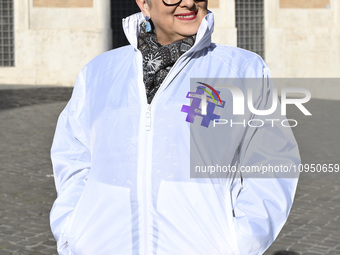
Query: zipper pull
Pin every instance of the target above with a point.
(148, 118)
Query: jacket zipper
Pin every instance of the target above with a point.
(143, 178)
(148, 118)
(147, 176)
(147, 155)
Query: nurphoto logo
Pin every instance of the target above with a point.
(203, 104)
(206, 98)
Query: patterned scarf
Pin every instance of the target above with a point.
(158, 59)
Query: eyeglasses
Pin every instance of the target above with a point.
(176, 2)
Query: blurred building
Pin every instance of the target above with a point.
(48, 41)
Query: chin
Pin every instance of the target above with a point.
(189, 32)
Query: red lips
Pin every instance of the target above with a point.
(187, 16)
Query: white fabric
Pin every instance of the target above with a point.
(121, 166)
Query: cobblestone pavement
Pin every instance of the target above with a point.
(27, 122)
(26, 183)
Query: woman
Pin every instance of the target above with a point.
(123, 145)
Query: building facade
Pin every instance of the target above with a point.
(46, 42)
(54, 39)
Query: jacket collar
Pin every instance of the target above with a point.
(203, 39)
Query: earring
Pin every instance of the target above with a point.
(147, 24)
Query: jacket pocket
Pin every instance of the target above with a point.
(194, 219)
(63, 209)
(101, 222)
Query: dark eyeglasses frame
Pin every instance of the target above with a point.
(179, 2)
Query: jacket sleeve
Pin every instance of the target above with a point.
(264, 198)
(71, 163)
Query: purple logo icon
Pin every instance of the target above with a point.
(203, 104)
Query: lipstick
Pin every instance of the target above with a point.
(187, 16)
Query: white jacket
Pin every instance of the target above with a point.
(121, 166)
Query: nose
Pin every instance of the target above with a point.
(187, 3)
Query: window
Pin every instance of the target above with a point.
(6, 33)
(250, 25)
(119, 10)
